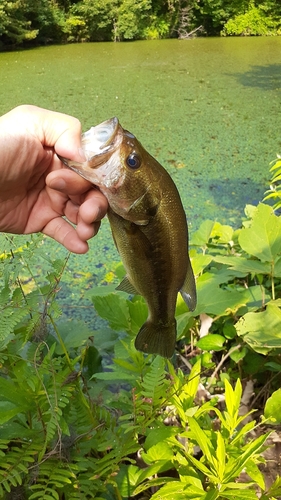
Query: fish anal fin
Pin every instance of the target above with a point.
(157, 339)
(126, 286)
(188, 290)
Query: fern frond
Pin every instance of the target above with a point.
(154, 382)
(52, 476)
(10, 318)
(14, 463)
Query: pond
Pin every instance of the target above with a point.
(208, 109)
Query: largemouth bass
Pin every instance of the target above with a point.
(148, 225)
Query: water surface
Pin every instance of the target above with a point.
(208, 109)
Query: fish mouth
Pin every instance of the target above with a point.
(100, 141)
(101, 150)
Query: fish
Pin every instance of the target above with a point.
(148, 225)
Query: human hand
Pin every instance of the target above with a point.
(36, 191)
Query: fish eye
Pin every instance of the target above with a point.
(133, 161)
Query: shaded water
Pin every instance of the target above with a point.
(208, 109)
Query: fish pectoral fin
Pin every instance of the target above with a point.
(126, 286)
(156, 338)
(141, 222)
(144, 208)
(188, 290)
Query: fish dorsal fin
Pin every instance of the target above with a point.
(126, 286)
(188, 290)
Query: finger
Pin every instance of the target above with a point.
(61, 231)
(68, 182)
(94, 207)
(87, 217)
(93, 203)
(63, 132)
(87, 231)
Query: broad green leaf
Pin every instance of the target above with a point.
(9, 410)
(215, 300)
(127, 479)
(115, 309)
(73, 333)
(202, 235)
(255, 297)
(13, 393)
(160, 434)
(200, 261)
(263, 238)
(138, 313)
(211, 342)
(261, 330)
(160, 451)
(183, 323)
(273, 407)
(243, 265)
(222, 232)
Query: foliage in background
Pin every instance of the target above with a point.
(84, 415)
(51, 21)
(274, 193)
(254, 22)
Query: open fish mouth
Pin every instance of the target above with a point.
(101, 149)
(100, 141)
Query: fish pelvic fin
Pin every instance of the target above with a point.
(127, 286)
(188, 290)
(156, 338)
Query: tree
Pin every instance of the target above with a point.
(14, 26)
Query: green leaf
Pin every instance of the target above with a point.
(200, 261)
(239, 494)
(215, 300)
(160, 451)
(12, 393)
(255, 474)
(202, 440)
(73, 333)
(261, 330)
(263, 238)
(235, 466)
(160, 434)
(211, 342)
(115, 309)
(202, 235)
(273, 407)
(190, 389)
(220, 453)
(232, 397)
(177, 490)
(243, 265)
(138, 313)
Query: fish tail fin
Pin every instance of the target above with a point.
(156, 338)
